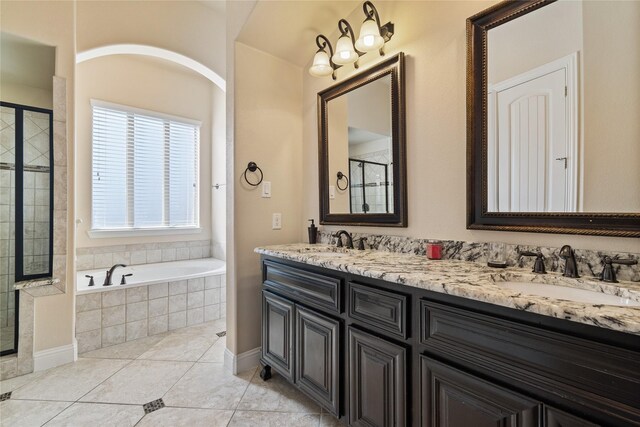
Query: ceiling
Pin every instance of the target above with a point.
(288, 29)
(26, 62)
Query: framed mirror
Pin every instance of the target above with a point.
(361, 136)
(553, 100)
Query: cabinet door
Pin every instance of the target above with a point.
(377, 378)
(318, 357)
(556, 418)
(277, 333)
(453, 398)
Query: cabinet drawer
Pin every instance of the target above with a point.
(594, 374)
(303, 286)
(383, 310)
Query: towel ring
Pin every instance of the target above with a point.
(252, 167)
(342, 176)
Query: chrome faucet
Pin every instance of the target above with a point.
(349, 239)
(107, 278)
(570, 264)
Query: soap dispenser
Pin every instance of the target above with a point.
(313, 233)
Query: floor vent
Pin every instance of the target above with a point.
(221, 334)
(154, 405)
(5, 396)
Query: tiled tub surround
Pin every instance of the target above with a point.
(589, 262)
(141, 253)
(109, 316)
(471, 280)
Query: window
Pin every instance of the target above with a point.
(145, 169)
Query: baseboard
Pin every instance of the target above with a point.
(243, 361)
(52, 357)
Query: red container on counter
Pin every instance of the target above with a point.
(434, 251)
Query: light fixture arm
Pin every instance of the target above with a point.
(322, 42)
(345, 30)
(371, 11)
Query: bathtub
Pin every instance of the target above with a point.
(149, 274)
(157, 298)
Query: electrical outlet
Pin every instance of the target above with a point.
(266, 189)
(276, 221)
(332, 191)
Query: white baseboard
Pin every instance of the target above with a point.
(243, 361)
(56, 356)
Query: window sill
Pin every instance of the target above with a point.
(139, 232)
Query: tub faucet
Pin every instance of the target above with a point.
(349, 239)
(570, 264)
(107, 278)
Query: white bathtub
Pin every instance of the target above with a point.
(149, 274)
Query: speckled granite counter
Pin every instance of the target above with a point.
(472, 280)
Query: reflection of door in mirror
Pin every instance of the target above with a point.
(360, 139)
(26, 138)
(562, 109)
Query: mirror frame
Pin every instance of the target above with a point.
(394, 67)
(478, 217)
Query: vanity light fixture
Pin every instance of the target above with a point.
(322, 64)
(373, 36)
(346, 52)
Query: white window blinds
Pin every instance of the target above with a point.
(145, 169)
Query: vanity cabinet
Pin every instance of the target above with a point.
(377, 381)
(277, 333)
(317, 357)
(450, 397)
(376, 353)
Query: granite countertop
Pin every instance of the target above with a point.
(472, 280)
(36, 283)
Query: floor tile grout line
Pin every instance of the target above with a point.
(243, 394)
(179, 379)
(64, 409)
(106, 379)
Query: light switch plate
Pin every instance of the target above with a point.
(332, 191)
(276, 221)
(266, 189)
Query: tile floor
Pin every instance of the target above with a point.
(179, 372)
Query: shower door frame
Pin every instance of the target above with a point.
(19, 275)
(364, 189)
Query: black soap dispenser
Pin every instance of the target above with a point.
(313, 233)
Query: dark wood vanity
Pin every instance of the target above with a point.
(376, 353)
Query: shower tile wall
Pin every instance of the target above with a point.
(7, 230)
(36, 193)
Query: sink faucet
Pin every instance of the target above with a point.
(107, 278)
(349, 239)
(608, 271)
(570, 265)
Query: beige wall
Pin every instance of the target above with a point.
(150, 84)
(432, 34)
(27, 95)
(549, 33)
(268, 130)
(612, 106)
(338, 134)
(361, 100)
(186, 27)
(52, 23)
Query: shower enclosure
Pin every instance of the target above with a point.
(26, 203)
(370, 190)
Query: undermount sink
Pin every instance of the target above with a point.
(567, 293)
